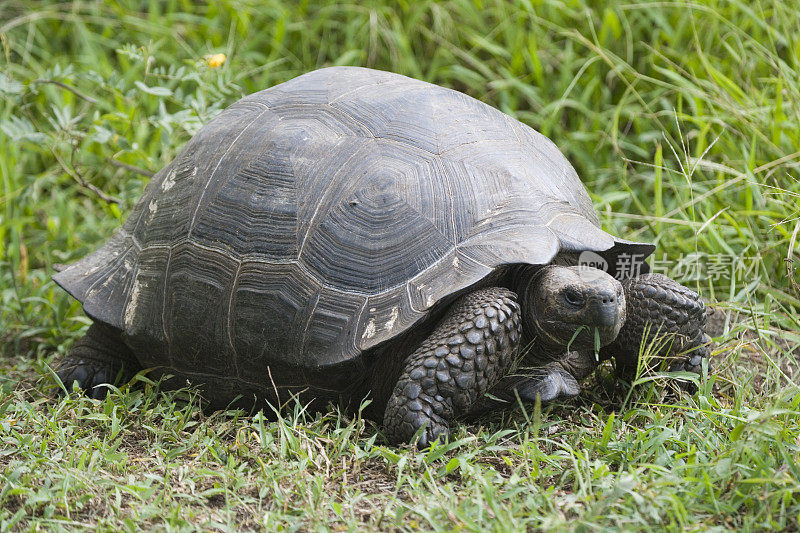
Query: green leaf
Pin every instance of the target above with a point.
(452, 464)
(737, 432)
(607, 431)
(156, 91)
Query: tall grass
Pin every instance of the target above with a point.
(683, 120)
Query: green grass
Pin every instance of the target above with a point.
(683, 119)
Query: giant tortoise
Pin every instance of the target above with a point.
(355, 234)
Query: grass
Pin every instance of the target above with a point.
(683, 119)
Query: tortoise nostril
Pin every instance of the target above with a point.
(605, 296)
(606, 311)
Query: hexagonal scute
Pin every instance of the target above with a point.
(255, 212)
(198, 287)
(270, 311)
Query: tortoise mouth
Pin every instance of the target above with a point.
(577, 336)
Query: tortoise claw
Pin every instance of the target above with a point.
(693, 362)
(98, 358)
(433, 432)
(88, 374)
(549, 386)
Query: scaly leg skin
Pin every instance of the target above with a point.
(99, 357)
(549, 382)
(469, 351)
(673, 318)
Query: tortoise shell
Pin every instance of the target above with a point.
(312, 221)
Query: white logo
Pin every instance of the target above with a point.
(589, 259)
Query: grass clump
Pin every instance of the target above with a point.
(683, 120)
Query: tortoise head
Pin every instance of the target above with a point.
(573, 307)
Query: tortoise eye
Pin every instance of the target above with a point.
(573, 297)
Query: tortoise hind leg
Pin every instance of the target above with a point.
(99, 357)
(468, 352)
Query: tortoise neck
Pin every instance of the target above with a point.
(537, 346)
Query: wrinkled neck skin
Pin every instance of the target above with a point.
(537, 347)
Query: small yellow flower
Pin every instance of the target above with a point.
(215, 60)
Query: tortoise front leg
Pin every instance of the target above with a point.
(664, 313)
(548, 381)
(99, 357)
(469, 351)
